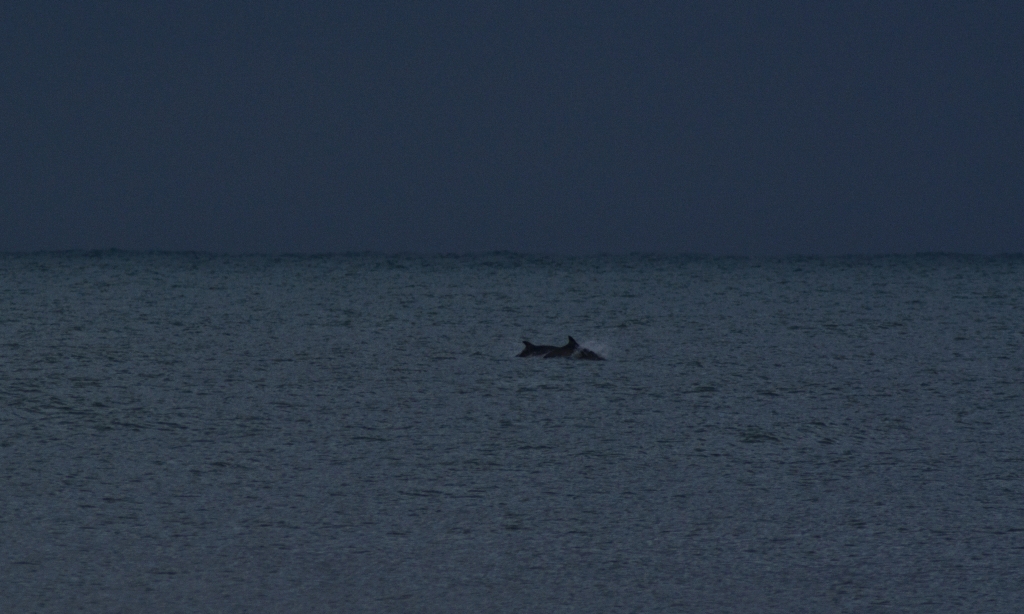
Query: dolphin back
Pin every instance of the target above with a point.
(569, 350)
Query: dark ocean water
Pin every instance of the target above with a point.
(190, 433)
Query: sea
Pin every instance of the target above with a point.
(186, 432)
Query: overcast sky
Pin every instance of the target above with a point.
(722, 127)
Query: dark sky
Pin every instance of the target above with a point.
(722, 127)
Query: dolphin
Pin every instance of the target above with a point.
(535, 350)
(565, 351)
(569, 350)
